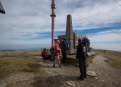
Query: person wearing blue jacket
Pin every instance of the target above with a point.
(63, 50)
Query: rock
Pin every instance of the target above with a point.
(71, 83)
(96, 77)
(92, 73)
(103, 80)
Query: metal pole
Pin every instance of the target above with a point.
(53, 20)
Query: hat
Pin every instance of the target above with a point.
(79, 40)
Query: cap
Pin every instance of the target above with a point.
(79, 39)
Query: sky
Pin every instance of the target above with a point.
(27, 23)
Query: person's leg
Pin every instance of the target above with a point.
(84, 67)
(48, 57)
(55, 60)
(65, 56)
(59, 61)
(63, 61)
(43, 56)
(53, 57)
(81, 69)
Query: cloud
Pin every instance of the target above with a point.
(107, 46)
(24, 44)
(29, 22)
(106, 40)
(106, 36)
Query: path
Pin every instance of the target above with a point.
(106, 75)
(66, 76)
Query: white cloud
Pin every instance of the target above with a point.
(106, 36)
(96, 14)
(107, 40)
(107, 46)
(25, 19)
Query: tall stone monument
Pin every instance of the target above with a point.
(69, 34)
(1, 8)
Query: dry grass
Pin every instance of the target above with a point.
(25, 61)
(114, 57)
(19, 53)
(73, 61)
(18, 61)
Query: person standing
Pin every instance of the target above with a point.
(57, 53)
(63, 50)
(81, 56)
(52, 53)
(48, 55)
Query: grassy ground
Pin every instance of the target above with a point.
(73, 61)
(18, 61)
(25, 61)
(114, 57)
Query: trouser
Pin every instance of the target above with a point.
(44, 57)
(82, 67)
(64, 57)
(48, 57)
(52, 57)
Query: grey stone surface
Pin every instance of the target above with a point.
(69, 34)
(70, 83)
(91, 73)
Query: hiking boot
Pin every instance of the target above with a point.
(60, 66)
(54, 66)
(80, 78)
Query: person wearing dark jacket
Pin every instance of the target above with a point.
(52, 53)
(82, 59)
(63, 51)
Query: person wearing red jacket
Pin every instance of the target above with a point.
(57, 53)
(44, 53)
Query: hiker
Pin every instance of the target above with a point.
(63, 50)
(48, 55)
(52, 53)
(44, 53)
(57, 53)
(81, 56)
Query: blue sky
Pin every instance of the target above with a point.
(27, 23)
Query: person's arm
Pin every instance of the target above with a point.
(77, 56)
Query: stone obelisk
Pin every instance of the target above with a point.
(69, 34)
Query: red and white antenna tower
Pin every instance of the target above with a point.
(53, 20)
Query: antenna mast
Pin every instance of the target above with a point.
(53, 20)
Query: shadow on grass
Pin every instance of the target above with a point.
(71, 62)
(74, 61)
(32, 67)
(52, 81)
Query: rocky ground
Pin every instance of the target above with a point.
(66, 76)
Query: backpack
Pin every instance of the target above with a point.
(86, 44)
(84, 49)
